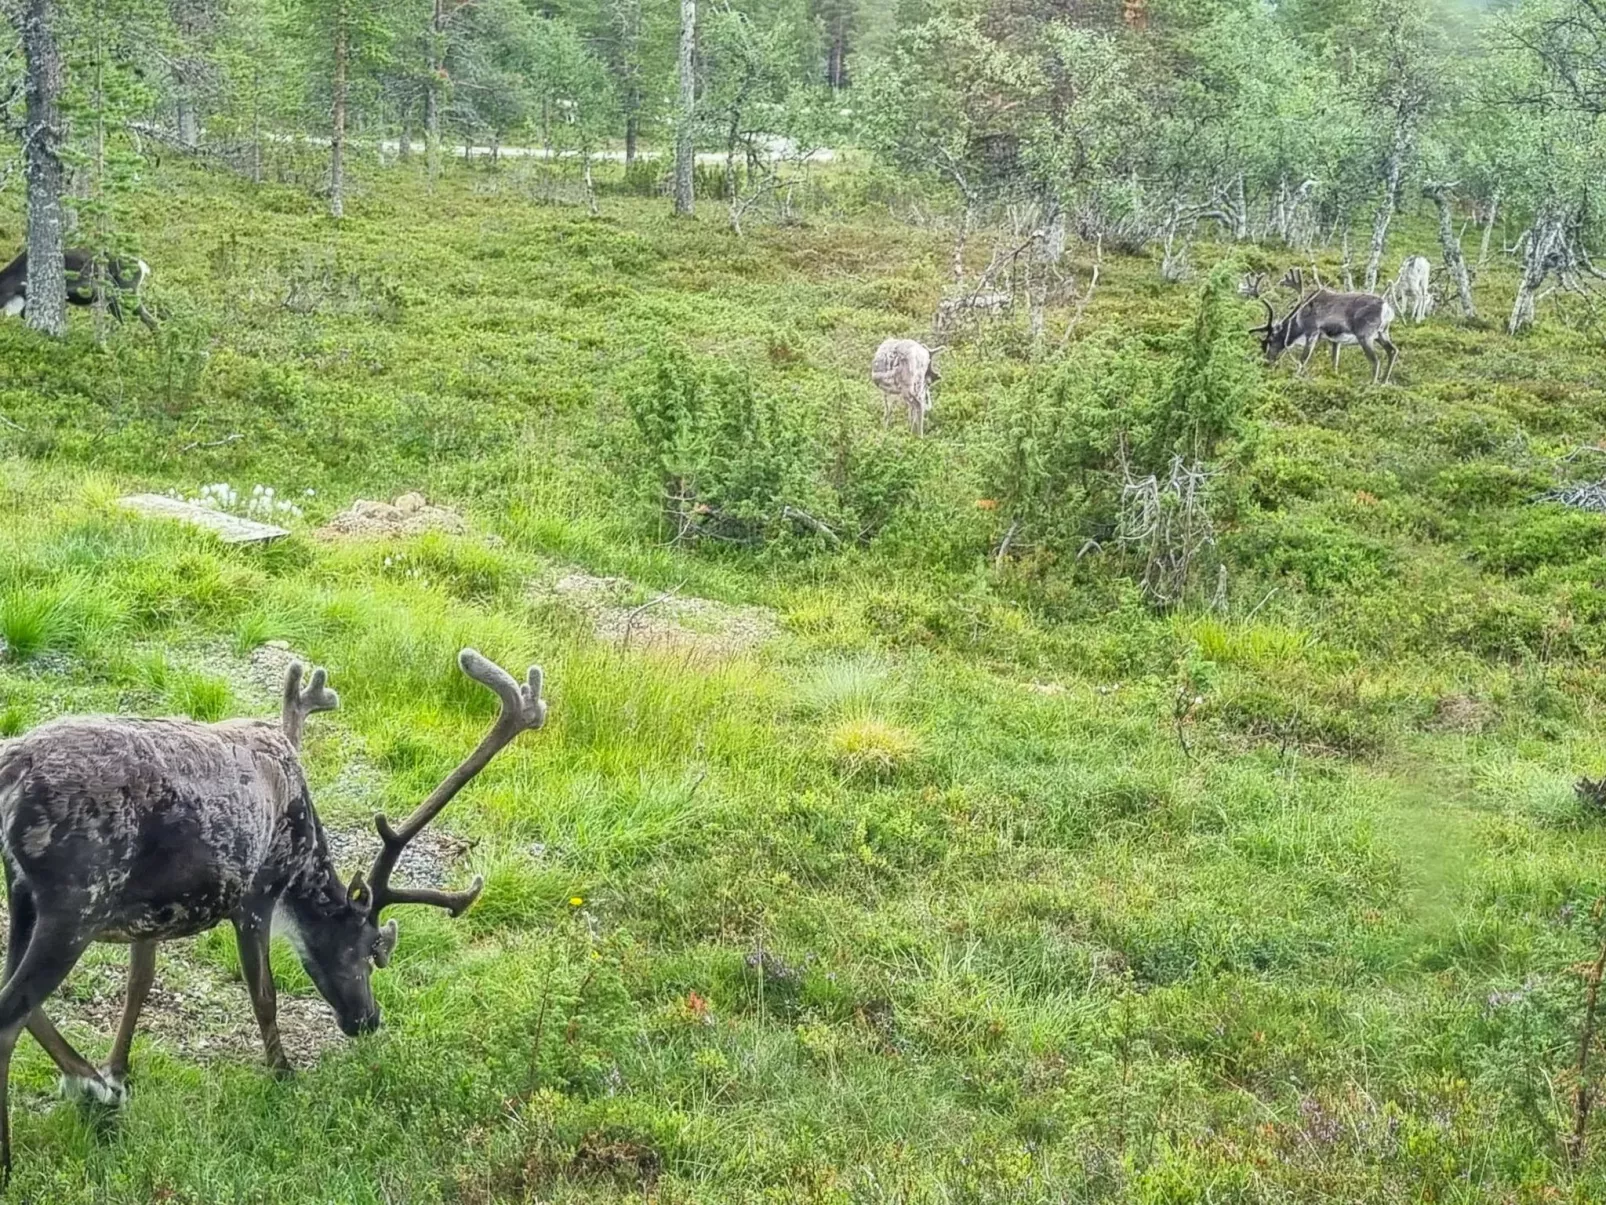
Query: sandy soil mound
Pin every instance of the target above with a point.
(409, 515)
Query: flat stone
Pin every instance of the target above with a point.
(231, 529)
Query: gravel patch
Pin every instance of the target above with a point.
(194, 1009)
(428, 861)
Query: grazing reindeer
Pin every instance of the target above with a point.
(109, 1086)
(1413, 288)
(904, 370)
(81, 272)
(1340, 318)
(140, 831)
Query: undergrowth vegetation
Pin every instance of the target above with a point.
(985, 878)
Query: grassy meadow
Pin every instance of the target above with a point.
(971, 882)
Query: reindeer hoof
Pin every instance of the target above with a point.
(104, 1089)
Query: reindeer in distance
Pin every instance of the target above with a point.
(1342, 319)
(140, 831)
(904, 370)
(119, 278)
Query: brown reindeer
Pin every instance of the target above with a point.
(139, 831)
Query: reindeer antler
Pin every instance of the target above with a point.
(299, 704)
(1271, 318)
(523, 709)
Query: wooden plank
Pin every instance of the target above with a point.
(231, 529)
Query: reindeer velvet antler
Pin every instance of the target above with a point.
(299, 704)
(523, 709)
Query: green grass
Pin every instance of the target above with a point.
(938, 896)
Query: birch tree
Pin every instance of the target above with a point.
(1398, 68)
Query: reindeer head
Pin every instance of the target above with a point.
(1274, 339)
(337, 928)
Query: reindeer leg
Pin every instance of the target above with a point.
(1310, 354)
(78, 1074)
(1371, 358)
(253, 941)
(141, 974)
(53, 948)
(80, 1080)
(1337, 347)
(1394, 354)
(144, 316)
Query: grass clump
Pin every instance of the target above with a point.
(200, 696)
(868, 746)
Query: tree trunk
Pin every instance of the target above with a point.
(256, 139)
(196, 23)
(732, 193)
(432, 94)
(591, 187)
(47, 272)
(1543, 239)
(101, 234)
(685, 152)
(404, 142)
(1455, 263)
(1488, 229)
(837, 64)
(189, 124)
(337, 140)
(632, 126)
(1385, 215)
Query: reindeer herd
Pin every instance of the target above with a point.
(904, 370)
(141, 831)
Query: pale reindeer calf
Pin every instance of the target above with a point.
(904, 371)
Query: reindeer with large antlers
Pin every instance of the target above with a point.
(140, 831)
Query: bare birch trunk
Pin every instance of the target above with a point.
(47, 271)
(591, 187)
(1385, 216)
(337, 139)
(685, 152)
(1488, 229)
(1454, 261)
(189, 125)
(1543, 238)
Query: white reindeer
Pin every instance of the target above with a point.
(903, 369)
(1411, 288)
